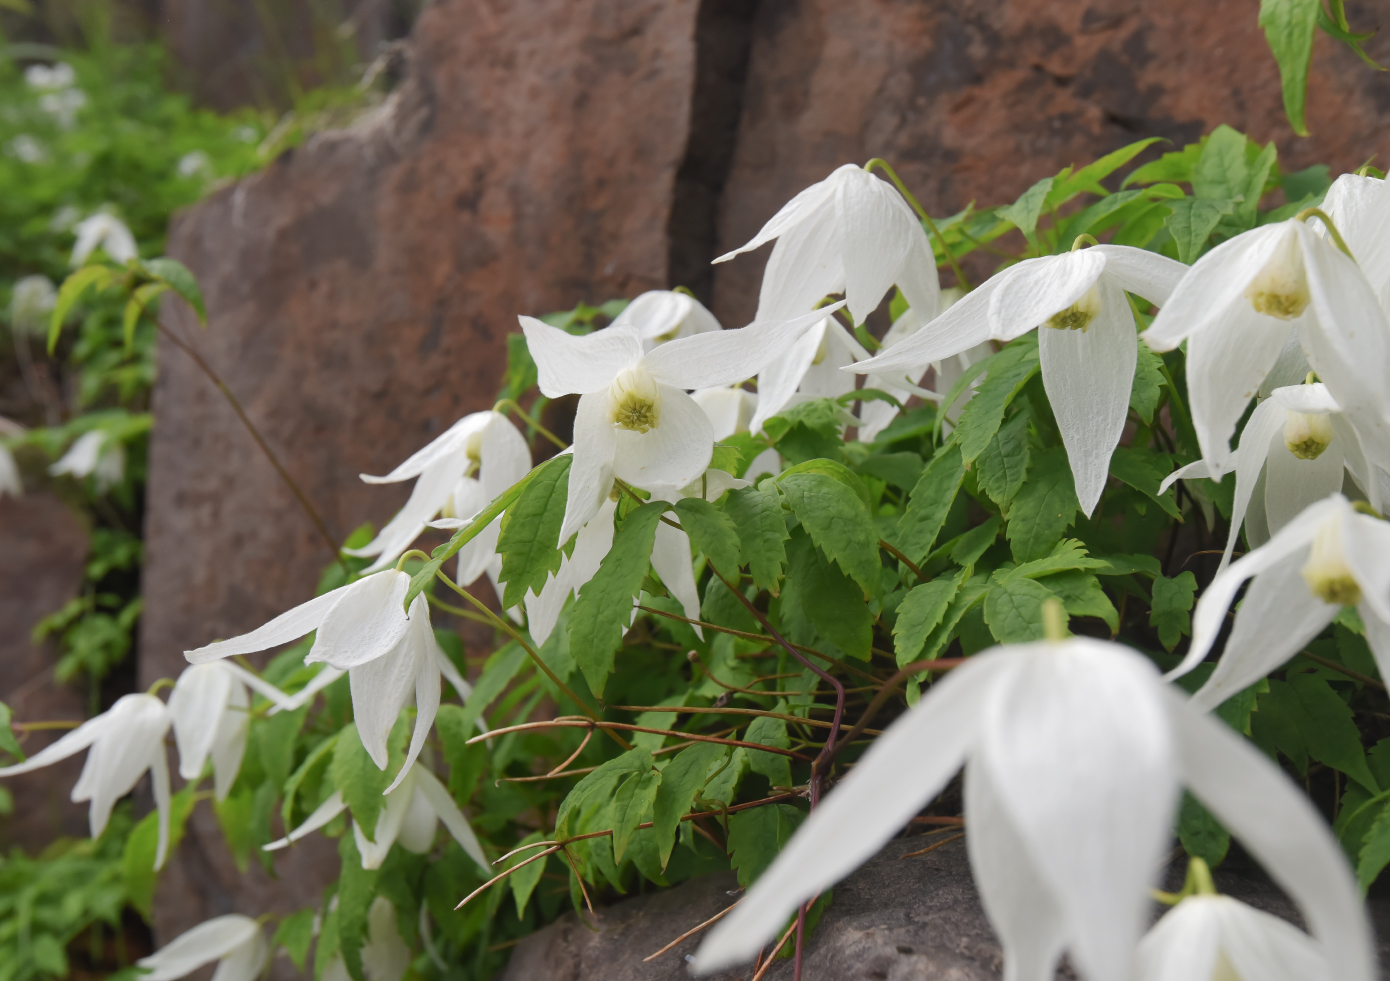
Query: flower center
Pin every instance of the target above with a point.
(636, 400)
(1326, 572)
(1079, 315)
(1307, 434)
(1280, 289)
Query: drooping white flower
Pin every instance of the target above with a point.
(362, 629)
(10, 481)
(210, 710)
(1327, 557)
(105, 231)
(810, 369)
(33, 299)
(235, 940)
(1087, 345)
(385, 956)
(460, 473)
(1217, 938)
(1360, 208)
(852, 233)
(411, 815)
(634, 419)
(730, 410)
(1074, 753)
(1238, 306)
(125, 741)
(666, 315)
(93, 454)
(1299, 439)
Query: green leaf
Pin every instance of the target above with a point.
(726, 457)
(141, 848)
(1088, 178)
(524, 881)
(1222, 172)
(529, 538)
(1001, 467)
(1043, 508)
(930, 502)
(48, 954)
(1013, 610)
(603, 609)
(1330, 732)
(1008, 372)
(899, 469)
(969, 547)
(1144, 470)
(631, 802)
(1148, 384)
(682, 779)
(73, 289)
(1175, 167)
(353, 772)
(1191, 222)
(1025, 211)
(598, 783)
(1082, 596)
(766, 731)
(762, 532)
(1201, 834)
(498, 671)
(176, 276)
(830, 600)
(316, 756)
(1172, 603)
(920, 612)
(1289, 26)
(839, 523)
(757, 835)
(1375, 850)
(295, 933)
(8, 742)
(835, 470)
(1065, 556)
(821, 416)
(137, 304)
(356, 890)
(711, 531)
(466, 763)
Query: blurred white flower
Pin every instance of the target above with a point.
(1217, 938)
(666, 315)
(93, 454)
(730, 411)
(31, 302)
(10, 481)
(27, 149)
(194, 164)
(235, 940)
(47, 78)
(211, 714)
(385, 956)
(105, 231)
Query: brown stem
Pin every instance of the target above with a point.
(939, 664)
(692, 931)
(932, 848)
(714, 710)
(1353, 675)
(903, 559)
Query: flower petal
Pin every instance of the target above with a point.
(1141, 272)
(1183, 946)
(888, 785)
(1306, 398)
(206, 942)
(877, 232)
(325, 812)
(1088, 376)
(196, 706)
(577, 365)
(445, 445)
(451, 673)
(1290, 368)
(674, 452)
(806, 203)
(256, 683)
(1366, 544)
(367, 621)
(229, 746)
(245, 963)
(443, 804)
(591, 473)
(1279, 826)
(159, 786)
(316, 684)
(388, 827)
(504, 457)
(380, 689)
(427, 497)
(479, 553)
(1360, 206)
(1292, 484)
(805, 266)
(290, 625)
(730, 356)
(778, 382)
(69, 745)
(671, 560)
(1192, 471)
(730, 409)
(426, 685)
(1259, 945)
(1266, 424)
(1035, 289)
(920, 284)
(964, 325)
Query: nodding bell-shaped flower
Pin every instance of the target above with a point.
(362, 629)
(210, 710)
(1217, 938)
(666, 315)
(125, 741)
(235, 940)
(634, 419)
(810, 369)
(385, 956)
(852, 233)
(730, 410)
(1087, 343)
(410, 816)
(93, 454)
(1303, 444)
(1239, 305)
(1329, 556)
(459, 474)
(105, 232)
(1360, 208)
(1074, 751)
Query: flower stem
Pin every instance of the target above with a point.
(511, 403)
(1322, 216)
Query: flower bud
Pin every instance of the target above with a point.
(1280, 289)
(1326, 572)
(1307, 434)
(636, 400)
(1079, 315)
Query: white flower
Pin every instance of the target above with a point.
(237, 941)
(125, 741)
(63, 105)
(31, 302)
(210, 710)
(93, 454)
(460, 473)
(10, 482)
(1303, 444)
(1360, 208)
(46, 78)
(730, 410)
(666, 315)
(1237, 308)
(809, 369)
(1327, 557)
(194, 164)
(1217, 938)
(634, 421)
(1074, 753)
(362, 628)
(103, 231)
(410, 816)
(852, 233)
(385, 956)
(1087, 349)
(27, 149)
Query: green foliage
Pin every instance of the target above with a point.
(529, 540)
(757, 835)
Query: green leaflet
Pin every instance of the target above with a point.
(524, 881)
(631, 803)
(967, 549)
(1013, 610)
(353, 772)
(930, 502)
(8, 742)
(1200, 833)
(1148, 384)
(770, 732)
(1144, 470)
(1374, 854)
(721, 606)
(317, 757)
(757, 835)
(1025, 211)
(762, 532)
(1008, 372)
(143, 845)
(835, 470)
(839, 523)
(466, 763)
(1043, 508)
(174, 275)
(356, 890)
(598, 784)
(1065, 556)
(529, 539)
(603, 608)
(1001, 466)
(1088, 178)
(919, 613)
(902, 470)
(711, 531)
(1191, 222)
(498, 671)
(1170, 610)
(1221, 171)
(1082, 596)
(966, 598)
(830, 600)
(1305, 718)
(680, 781)
(1288, 27)
(295, 933)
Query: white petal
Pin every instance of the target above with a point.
(1292, 484)
(427, 498)
(479, 553)
(257, 684)
(1306, 398)
(577, 365)
(447, 444)
(504, 457)
(826, 380)
(1266, 424)
(729, 356)
(1035, 289)
(1214, 284)
(1366, 544)
(203, 944)
(671, 560)
(380, 689)
(324, 813)
(159, 785)
(1290, 369)
(443, 804)
(316, 684)
(729, 409)
(1141, 272)
(1278, 825)
(963, 326)
(385, 957)
(69, 745)
(674, 452)
(1354, 458)
(778, 382)
(798, 209)
(420, 825)
(805, 266)
(451, 673)
(367, 621)
(1360, 206)
(766, 462)
(655, 313)
(132, 744)
(875, 237)
(889, 784)
(230, 744)
(290, 625)
(919, 282)
(388, 827)
(196, 706)
(245, 963)
(591, 473)
(1259, 945)
(1183, 946)
(426, 688)
(543, 611)
(1377, 636)
(1088, 376)
(1192, 471)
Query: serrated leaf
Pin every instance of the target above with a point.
(930, 503)
(762, 532)
(1008, 372)
(1088, 178)
(178, 278)
(902, 470)
(466, 763)
(1191, 222)
(770, 732)
(603, 609)
(711, 531)
(1043, 508)
(1148, 384)
(1289, 26)
(599, 783)
(1026, 210)
(1082, 596)
(1001, 467)
(680, 782)
(830, 600)
(1201, 834)
(529, 537)
(356, 890)
(1330, 733)
(757, 835)
(835, 470)
(631, 802)
(295, 933)
(1013, 610)
(73, 289)
(1222, 171)
(1065, 556)
(967, 548)
(1374, 853)
(353, 772)
(920, 612)
(141, 848)
(1170, 611)
(839, 523)
(524, 880)
(8, 742)
(821, 416)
